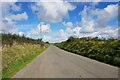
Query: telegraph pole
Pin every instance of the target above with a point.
(41, 43)
(41, 29)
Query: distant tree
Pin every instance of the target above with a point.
(47, 42)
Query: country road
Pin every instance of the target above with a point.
(57, 63)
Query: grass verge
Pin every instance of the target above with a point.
(16, 57)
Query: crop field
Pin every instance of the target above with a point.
(104, 50)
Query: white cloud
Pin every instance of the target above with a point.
(45, 27)
(47, 38)
(5, 9)
(8, 25)
(106, 14)
(0, 12)
(9, 19)
(22, 16)
(89, 26)
(60, 36)
(8, 0)
(68, 24)
(69, 31)
(21, 33)
(54, 11)
(32, 33)
(111, 9)
(7, 6)
(106, 32)
(77, 31)
(15, 7)
(63, 35)
(36, 31)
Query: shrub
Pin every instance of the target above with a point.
(104, 50)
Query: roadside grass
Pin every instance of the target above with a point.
(16, 57)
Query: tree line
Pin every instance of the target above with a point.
(104, 50)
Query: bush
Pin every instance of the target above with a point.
(117, 61)
(10, 39)
(100, 49)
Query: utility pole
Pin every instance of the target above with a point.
(41, 29)
(41, 43)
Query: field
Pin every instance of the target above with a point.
(104, 50)
(16, 57)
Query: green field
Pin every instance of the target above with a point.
(104, 50)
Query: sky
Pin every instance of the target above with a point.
(60, 20)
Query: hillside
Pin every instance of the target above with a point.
(104, 50)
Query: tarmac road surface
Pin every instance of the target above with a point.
(57, 63)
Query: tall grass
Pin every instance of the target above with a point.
(16, 57)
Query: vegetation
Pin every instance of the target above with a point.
(13, 39)
(104, 50)
(17, 51)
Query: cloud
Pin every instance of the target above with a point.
(8, 6)
(97, 27)
(36, 31)
(21, 33)
(93, 27)
(111, 8)
(63, 35)
(89, 25)
(68, 24)
(54, 11)
(8, 0)
(32, 33)
(47, 38)
(45, 27)
(98, 17)
(17, 17)
(60, 36)
(15, 7)
(8, 25)
(106, 14)
(9, 20)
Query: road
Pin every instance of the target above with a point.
(57, 63)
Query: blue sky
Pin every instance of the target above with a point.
(60, 20)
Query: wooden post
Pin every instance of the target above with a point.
(41, 43)
(40, 28)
